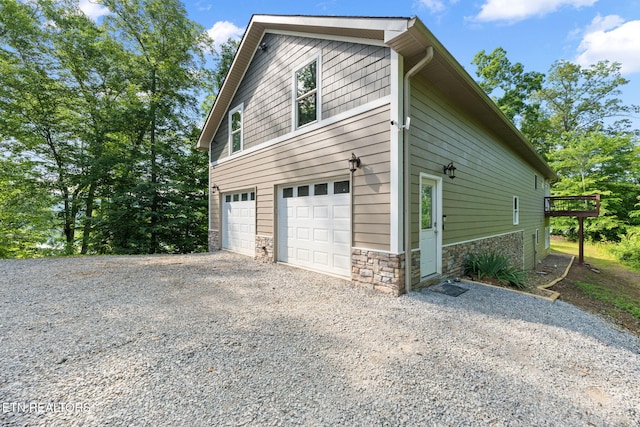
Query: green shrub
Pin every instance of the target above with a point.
(495, 265)
(628, 249)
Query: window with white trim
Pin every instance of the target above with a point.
(235, 129)
(516, 210)
(306, 94)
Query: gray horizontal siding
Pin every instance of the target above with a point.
(352, 75)
(317, 155)
(478, 202)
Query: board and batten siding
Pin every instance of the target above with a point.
(352, 75)
(312, 157)
(478, 203)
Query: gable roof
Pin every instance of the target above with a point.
(407, 36)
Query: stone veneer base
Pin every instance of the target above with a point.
(511, 245)
(379, 271)
(384, 272)
(264, 249)
(214, 240)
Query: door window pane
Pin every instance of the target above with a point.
(427, 207)
(303, 191)
(287, 192)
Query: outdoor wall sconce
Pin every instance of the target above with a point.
(354, 163)
(214, 188)
(262, 47)
(450, 170)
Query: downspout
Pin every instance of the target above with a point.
(407, 165)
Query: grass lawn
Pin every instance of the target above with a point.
(603, 284)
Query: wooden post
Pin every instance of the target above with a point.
(581, 240)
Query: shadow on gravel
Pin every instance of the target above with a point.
(502, 303)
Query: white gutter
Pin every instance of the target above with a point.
(407, 165)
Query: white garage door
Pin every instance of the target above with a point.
(314, 223)
(239, 222)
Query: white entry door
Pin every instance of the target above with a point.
(429, 241)
(314, 223)
(239, 222)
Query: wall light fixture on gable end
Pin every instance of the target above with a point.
(450, 170)
(354, 163)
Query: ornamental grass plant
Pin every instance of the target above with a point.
(494, 265)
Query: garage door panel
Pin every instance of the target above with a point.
(238, 223)
(302, 254)
(341, 212)
(341, 237)
(302, 212)
(341, 261)
(321, 224)
(321, 235)
(321, 258)
(302, 233)
(321, 212)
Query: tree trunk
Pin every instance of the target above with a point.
(88, 219)
(154, 245)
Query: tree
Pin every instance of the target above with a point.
(585, 163)
(37, 107)
(224, 60)
(584, 100)
(108, 112)
(26, 216)
(514, 85)
(93, 61)
(577, 120)
(166, 62)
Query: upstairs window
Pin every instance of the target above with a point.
(306, 94)
(235, 129)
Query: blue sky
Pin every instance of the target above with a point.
(533, 32)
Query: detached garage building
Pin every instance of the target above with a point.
(334, 143)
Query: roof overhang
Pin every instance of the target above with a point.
(407, 36)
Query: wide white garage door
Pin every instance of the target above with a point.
(239, 222)
(314, 226)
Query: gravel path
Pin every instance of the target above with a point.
(217, 339)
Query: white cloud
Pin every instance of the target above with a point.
(518, 10)
(202, 6)
(434, 6)
(610, 38)
(93, 10)
(223, 31)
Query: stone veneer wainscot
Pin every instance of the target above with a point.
(511, 245)
(264, 249)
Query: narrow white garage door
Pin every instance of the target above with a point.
(239, 222)
(314, 226)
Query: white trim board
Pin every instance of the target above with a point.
(357, 40)
(310, 128)
(482, 238)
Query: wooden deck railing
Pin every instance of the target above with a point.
(578, 206)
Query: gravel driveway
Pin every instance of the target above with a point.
(218, 339)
